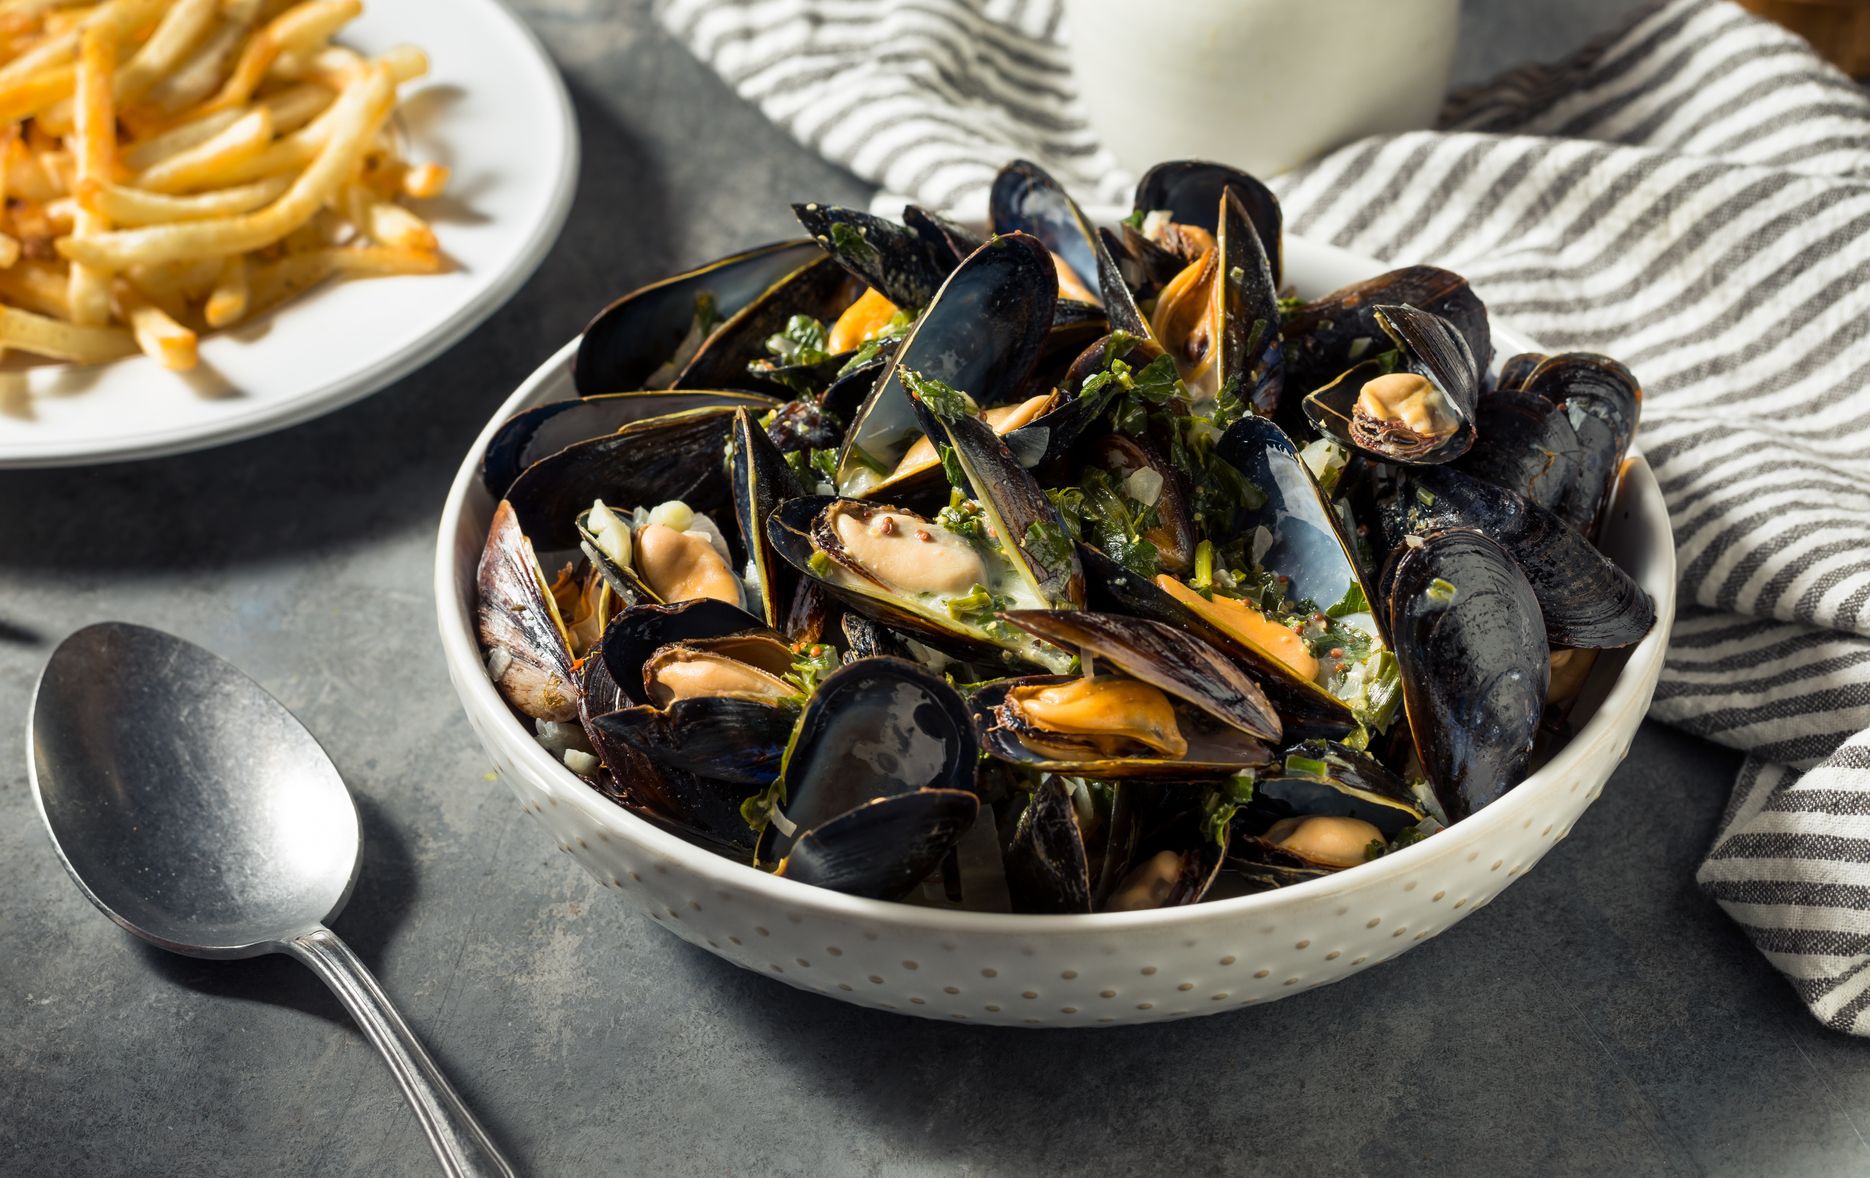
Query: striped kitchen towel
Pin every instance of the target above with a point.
(1690, 195)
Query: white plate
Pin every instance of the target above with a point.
(494, 110)
(1112, 967)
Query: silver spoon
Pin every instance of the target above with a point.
(199, 814)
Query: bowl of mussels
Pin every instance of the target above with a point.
(1069, 619)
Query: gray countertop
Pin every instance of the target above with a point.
(1600, 1016)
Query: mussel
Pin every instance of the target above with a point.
(1420, 411)
(1328, 335)
(1325, 778)
(878, 782)
(1471, 642)
(528, 650)
(1152, 702)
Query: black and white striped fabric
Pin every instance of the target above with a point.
(1691, 195)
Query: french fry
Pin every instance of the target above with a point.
(207, 164)
(154, 149)
(272, 283)
(44, 336)
(193, 81)
(37, 286)
(29, 95)
(182, 281)
(298, 28)
(228, 301)
(182, 27)
(155, 331)
(96, 153)
(355, 117)
(9, 250)
(386, 223)
(296, 106)
(133, 207)
(425, 181)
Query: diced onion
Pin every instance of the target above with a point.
(1144, 485)
(673, 514)
(611, 533)
(580, 762)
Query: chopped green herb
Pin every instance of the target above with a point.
(1353, 602)
(1376, 850)
(811, 662)
(1135, 219)
(1240, 787)
(802, 342)
(820, 564)
(758, 810)
(944, 401)
(813, 466)
(951, 466)
(1425, 497)
(1309, 766)
(977, 606)
(1290, 305)
(1440, 590)
(1048, 544)
(1204, 566)
(964, 518)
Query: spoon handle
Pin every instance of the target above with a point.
(459, 1141)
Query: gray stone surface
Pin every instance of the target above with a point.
(1600, 1016)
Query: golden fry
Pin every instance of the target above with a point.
(152, 150)
(179, 31)
(297, 29)
(425, 181)
(44, 336)
(156, 332)
(228, 301)
(207, 164)
(272, 283)
(96, 153)
(356, 115)
(132, 207)
(37, 286)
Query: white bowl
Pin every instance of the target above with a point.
(1128, 967)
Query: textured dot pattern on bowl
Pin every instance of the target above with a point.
(1066, 971)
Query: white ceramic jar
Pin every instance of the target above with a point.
(1260, 84)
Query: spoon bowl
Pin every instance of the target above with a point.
(189, 804)
(198, 813)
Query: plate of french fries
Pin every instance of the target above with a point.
(222, 217)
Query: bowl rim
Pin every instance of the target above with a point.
(461, 651)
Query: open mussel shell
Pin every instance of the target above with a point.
(1031, 532)
(1305, 709)
(1068, 845)
(641, 630)
(637, 342)
(1602, 403)
(528, 656)
(1584, 598)
(1471, 644)
(818, 288)
(761, 482)
(1306, 543)
(1320, 777)
(1516, 368)
(1437, 373)
(1328, 335)
(671, 456)
(801, 529)
(1525, 444)
(1026, 199)
(532, 434)
(1164, 657)
(1211, 747)
(901, 262)
(980, 335)
(1176, 859)
(1174, 534)
(1190, 191)
(878, 781)
(1219, 317)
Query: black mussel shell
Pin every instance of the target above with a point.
(1304, 708)
(532, 434)
(1174, 534)
(844, 397)
(876, 730)
(673, 456)
(627, 343)
(762, 481)
(1308, 545)
(1350, 785)
(736, 741)
(1176, 662)
(1603, 403)
(1048, 870)
(896, 260)
(1026, 199)
(818, 288)
(883, 848)
(1146, 266)
(803, 426)
(868, 638)
(1251, 359)
(1190, 190)
(950, 241)
(1430, 348)
(1263, 867)
(1472, 649)
(519, 627)
(1525, 444)
(980, 336)
(1516, 368)
(1329, 335)
(1176, 859)
(1586, 600)
(641, 630)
